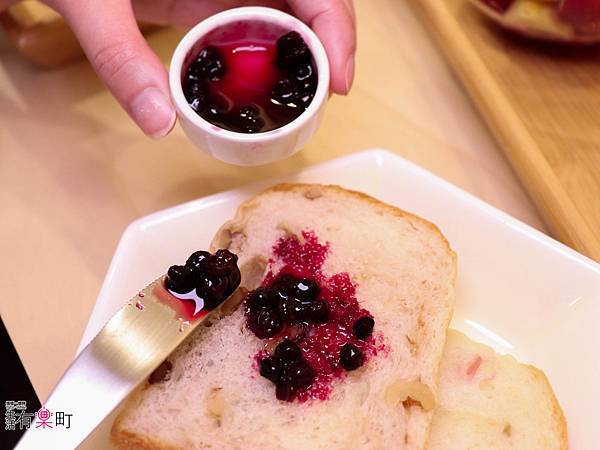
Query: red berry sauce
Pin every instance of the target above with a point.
(251, 73)
(183, 309)
(250, 77)
(322, 342)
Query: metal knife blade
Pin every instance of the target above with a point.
(125, 351)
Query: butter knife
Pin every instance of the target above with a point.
(127, 349)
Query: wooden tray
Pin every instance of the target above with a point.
(543, 104)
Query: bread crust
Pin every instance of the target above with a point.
(126, 440)
(557, 411)
(304, 188)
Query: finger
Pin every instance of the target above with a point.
(118, 52)
(333, 21)
(6, 3)
(188, 13)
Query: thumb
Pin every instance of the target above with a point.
(110, 37)
(333, 21)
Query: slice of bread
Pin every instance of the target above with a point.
(492, 402)
(404, 271)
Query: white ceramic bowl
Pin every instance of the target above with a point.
(243, 148)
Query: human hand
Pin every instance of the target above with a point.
(109, 35)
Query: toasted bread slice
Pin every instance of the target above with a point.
(492, 402)
(404, 270)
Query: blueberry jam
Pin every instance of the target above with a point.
(205, 279)
(251, 85)
(314, 327)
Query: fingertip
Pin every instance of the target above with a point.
(153, 112)
(122, 58)
(333, 22)
(342, 75)
(166, 130)
(349, 75)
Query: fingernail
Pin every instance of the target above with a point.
(153, 112)
(349, 73)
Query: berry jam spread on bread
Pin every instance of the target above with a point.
(313, 325)
(251, 86)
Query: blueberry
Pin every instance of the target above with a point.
(180, 279)
(300, 373)
(291, 310)
(287, 351)
(305, 289)
(264, 323)
(306, 79)
(318, 311)
(296, 375)
(292, 50)
(283, 283)
(305, 99)
(281, 287)
(279, 294)
(351, 357)
(284, 390)
(270, 368)
(363, 327)
(192, 77)
(209, 63)
(196, 93)
(213, 113)
(286, 92)
(197, 261)
(304, 72)
(293, 94)
(262, 298)
(195, 89)
(214, 287)
(249, 112)
(249, 120)
(294, 311)
(222, 263)
(226, 256)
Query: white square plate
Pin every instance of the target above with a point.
(517, 289)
